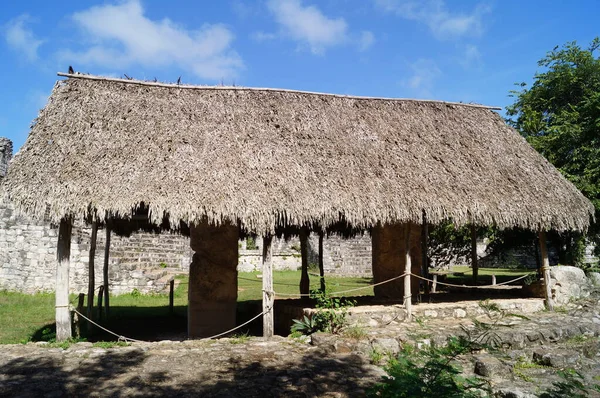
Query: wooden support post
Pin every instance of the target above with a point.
(105, 269)
(546, 271)
(267, 285)
(80, 306)
(171, 295)
(304, 278)
(493, 279)
(100, 296)
(474, 262)
(424, 247)
(538, 263)
(321, 265)
(407, 277)
(434, 284)
(63, 254)
(92, 275)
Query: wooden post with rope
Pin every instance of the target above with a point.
(171, 295)
(424, 246)
(79, 320)
(105, 268)
(63, 254)
(546, 272)
(474, 260)
(321, 265)
(92, 275)
(100, 296)
(407, 277)
(267, 285)
(304, 278)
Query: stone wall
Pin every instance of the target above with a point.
(348, 257)
(343, 256)
(589, 257)
(286, 254)
(6, 149)
(28, 257)
(27, 253)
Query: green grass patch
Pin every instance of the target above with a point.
(30, 317)
(110, 344)
(288, 282)
(485, 274)
(240, 338)
(523, 364)
(21, 315)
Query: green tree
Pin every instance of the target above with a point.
(559, 114)
(447, 243)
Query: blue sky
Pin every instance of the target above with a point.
(454, 50)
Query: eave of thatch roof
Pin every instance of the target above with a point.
(264, 158)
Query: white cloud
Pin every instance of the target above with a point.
(121, 35)
(366, 40)
(308, 25)
(263, 36)
(470, 56)
(434, 13)
(424, 73)
(21, 38)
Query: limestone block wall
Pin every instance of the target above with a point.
(349, 257)
(286, 255)
(142, 261)
(28, 257)
(6, 150)
(589, 257)
(27, 253)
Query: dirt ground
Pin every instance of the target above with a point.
(325, 366)
(223, 368)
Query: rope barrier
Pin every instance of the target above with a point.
(416, 276)
(240, 326)
(120, 337)
(342, 291)
(474, 286)
(127, 339)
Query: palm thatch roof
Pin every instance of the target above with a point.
(265, 158)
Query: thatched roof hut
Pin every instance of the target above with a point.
(265, 158)
(271, 160)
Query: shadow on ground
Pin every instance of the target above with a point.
(124, 373)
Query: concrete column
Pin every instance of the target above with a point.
(212, 294)
(389, 257)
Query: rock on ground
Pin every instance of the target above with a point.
(569, 283)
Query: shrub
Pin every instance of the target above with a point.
(430, 372)
(332, 312)
(305, 326)
(251, 243)
(572, 385)
(330, 317)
